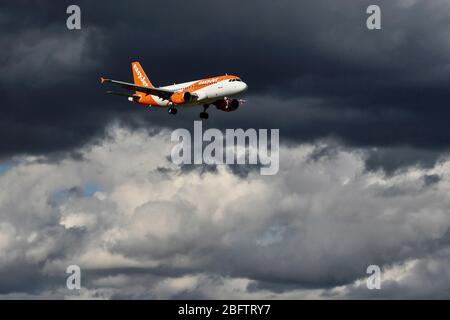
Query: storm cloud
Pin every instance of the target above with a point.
(314, 69)
(85, 177)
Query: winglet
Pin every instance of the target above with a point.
(103, 80)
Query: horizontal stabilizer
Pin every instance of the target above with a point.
(123, 94)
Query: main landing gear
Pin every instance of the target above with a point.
(204, 114)
(172, 111)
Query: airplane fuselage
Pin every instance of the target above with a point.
(204, 91)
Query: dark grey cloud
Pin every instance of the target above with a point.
(351, 105)
(313, 68)
(391, 159)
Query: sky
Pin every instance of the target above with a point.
(364, 179)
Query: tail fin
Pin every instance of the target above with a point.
(140, 78)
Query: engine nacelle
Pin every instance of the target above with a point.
(227, 105)
(182, 97)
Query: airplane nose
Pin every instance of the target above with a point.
(244, 87)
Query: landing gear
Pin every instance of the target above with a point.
(172, 111)
(204, 114)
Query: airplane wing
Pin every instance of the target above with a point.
(162, 93)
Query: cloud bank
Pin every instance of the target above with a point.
(141, 227)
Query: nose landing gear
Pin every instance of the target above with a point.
(172, 111)
(204, 114)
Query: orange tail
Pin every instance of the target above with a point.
(140, 78)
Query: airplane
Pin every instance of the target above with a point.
(220, 91)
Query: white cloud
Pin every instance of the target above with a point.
(155, 230)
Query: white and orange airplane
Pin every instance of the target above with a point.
(220, 91)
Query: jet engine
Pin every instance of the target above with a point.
(182, 97)
(227, 105)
